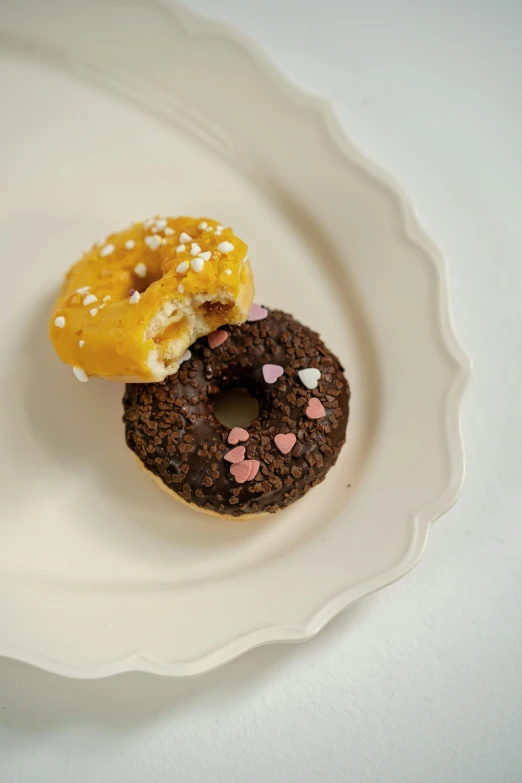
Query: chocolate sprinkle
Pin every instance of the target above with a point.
(172, 428)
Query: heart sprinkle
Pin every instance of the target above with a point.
(257, 313)
(309, 377)
(236, 455)
(254, 467)
(285, 442)
(237, 435)
(217, 338)
(315, 409)
(245, 471)
(271, 372)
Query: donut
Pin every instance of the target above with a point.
(289, 448)
(132, 305)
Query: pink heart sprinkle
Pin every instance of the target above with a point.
(254, 467)
(315, 409)
(132, 291)
(236, 435)
(271, 372)
(242, 471)
(236, 455)
(285, 443)
(217, 338)
(257, 313)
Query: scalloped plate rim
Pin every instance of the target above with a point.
(338, 140)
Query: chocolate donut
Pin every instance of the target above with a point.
(303, 400)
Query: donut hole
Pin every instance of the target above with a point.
(235, 407)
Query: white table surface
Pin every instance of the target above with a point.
(422, 682)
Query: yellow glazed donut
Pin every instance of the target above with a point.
(132, 305)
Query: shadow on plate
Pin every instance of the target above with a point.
(35, 701)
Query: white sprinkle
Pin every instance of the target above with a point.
(160, 224)
(141, 270)
(197, 264)
(182, 267)
(153, 242)
(225, 247)
(81, 374)
(107, 250)
(135, 298)
(181, 290)
(195, 249)
(148, 223)
(83, 290)
(129, 244)
(93, 311)
(169, 231)
(309, 377)
(184, 237)
(219, 227)
(217, 232)
(180, 248)
(206, 255)
(186, 356)
(81, 343)
(107, 298)
(59, 322)
(209, 228)
(203, 225)
(100, 307)
(90, 298)
(228, 271)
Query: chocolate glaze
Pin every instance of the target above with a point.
(172, 428)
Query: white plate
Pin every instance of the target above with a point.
(118, 111)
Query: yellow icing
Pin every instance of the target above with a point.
(114, 343)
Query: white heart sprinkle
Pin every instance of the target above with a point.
(181, 289)
(209, 228)
(180, 248)
(83, 290)
(225, 247)
(309, 377)
(81, 343)
(195, 249)
(59, 322)
(206, 255)
(148, 223)
(107, 298)
(219, 227)
(160, 224)
(135, 298)
(186, 356)
(107, 250)
(141, 270)
(197, 264)
(169, 231)
(228, 271)
(203, 225)
(182, 267)
(93, 311)
(184, 237)
(89, 299)
(81, 374)
(129, 244)
(153, 242)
